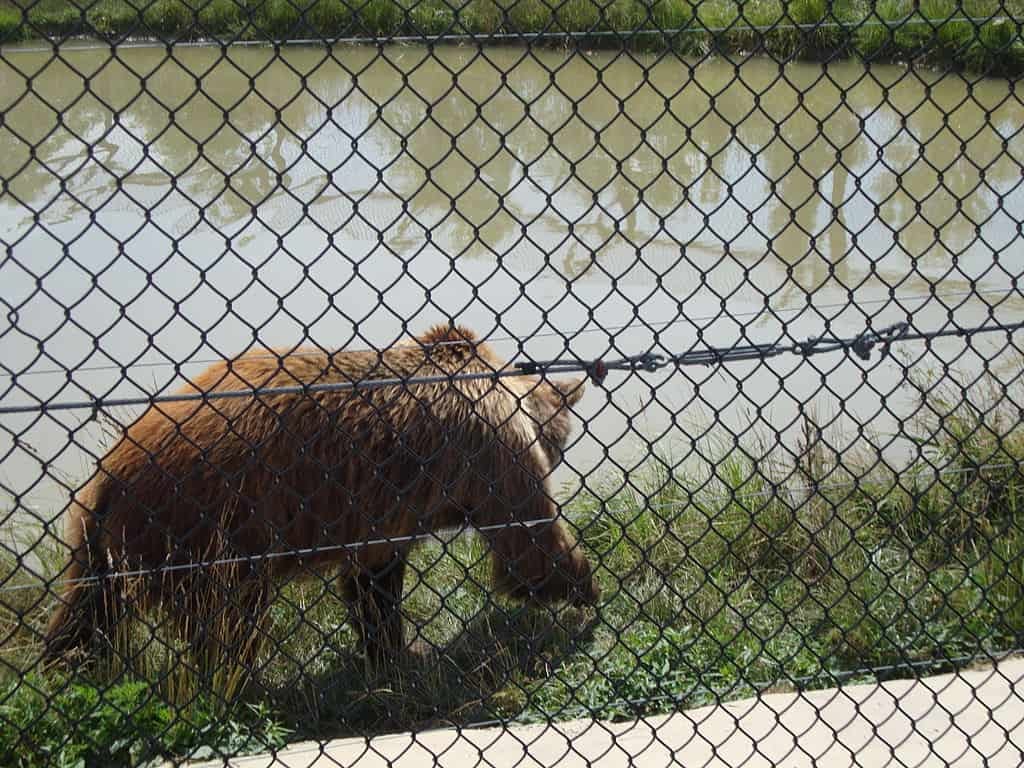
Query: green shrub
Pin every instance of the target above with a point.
(809, 29)
(11, 29)
(276, 19)
(807, 11)
(379, 17)
(329, 18)
(529, 16)
(56, 17)
(432, 17)
(222, 18)
(169, 19)
(50, 722)
(113, 18)
(671, 14)
(998, 48)
(625, 16)
(482, 17)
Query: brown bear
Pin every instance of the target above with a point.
(282, 483)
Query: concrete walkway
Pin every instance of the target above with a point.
(974, 718)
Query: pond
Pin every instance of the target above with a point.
(161, 211)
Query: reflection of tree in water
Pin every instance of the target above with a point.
(811, 168)
(224, 163)
(903, 147)
(118, 121)
(257, 157)
(813, 198)
(38, 151)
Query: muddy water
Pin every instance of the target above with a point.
(181, 208)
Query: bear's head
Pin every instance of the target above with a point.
(551, 409)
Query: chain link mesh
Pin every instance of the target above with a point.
(391, 366)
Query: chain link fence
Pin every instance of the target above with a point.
(397, 366)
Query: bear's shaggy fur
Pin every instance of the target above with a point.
(275, 473)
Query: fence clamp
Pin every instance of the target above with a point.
(597, 371)
(864, 343)
(649, 361)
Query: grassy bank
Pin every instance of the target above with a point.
(977, 34)
(745, 573)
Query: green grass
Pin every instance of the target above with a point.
(936, 30)
(51, 722)
(752, 571)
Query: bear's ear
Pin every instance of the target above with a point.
(571, 389)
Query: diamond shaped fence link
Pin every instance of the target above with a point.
(392, 367)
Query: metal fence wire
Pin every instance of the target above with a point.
(552, 383)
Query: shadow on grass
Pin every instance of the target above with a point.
(481, 675)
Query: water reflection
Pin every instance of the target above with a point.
(781, 161)
(522, 190)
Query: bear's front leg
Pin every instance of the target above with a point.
(374, 594)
